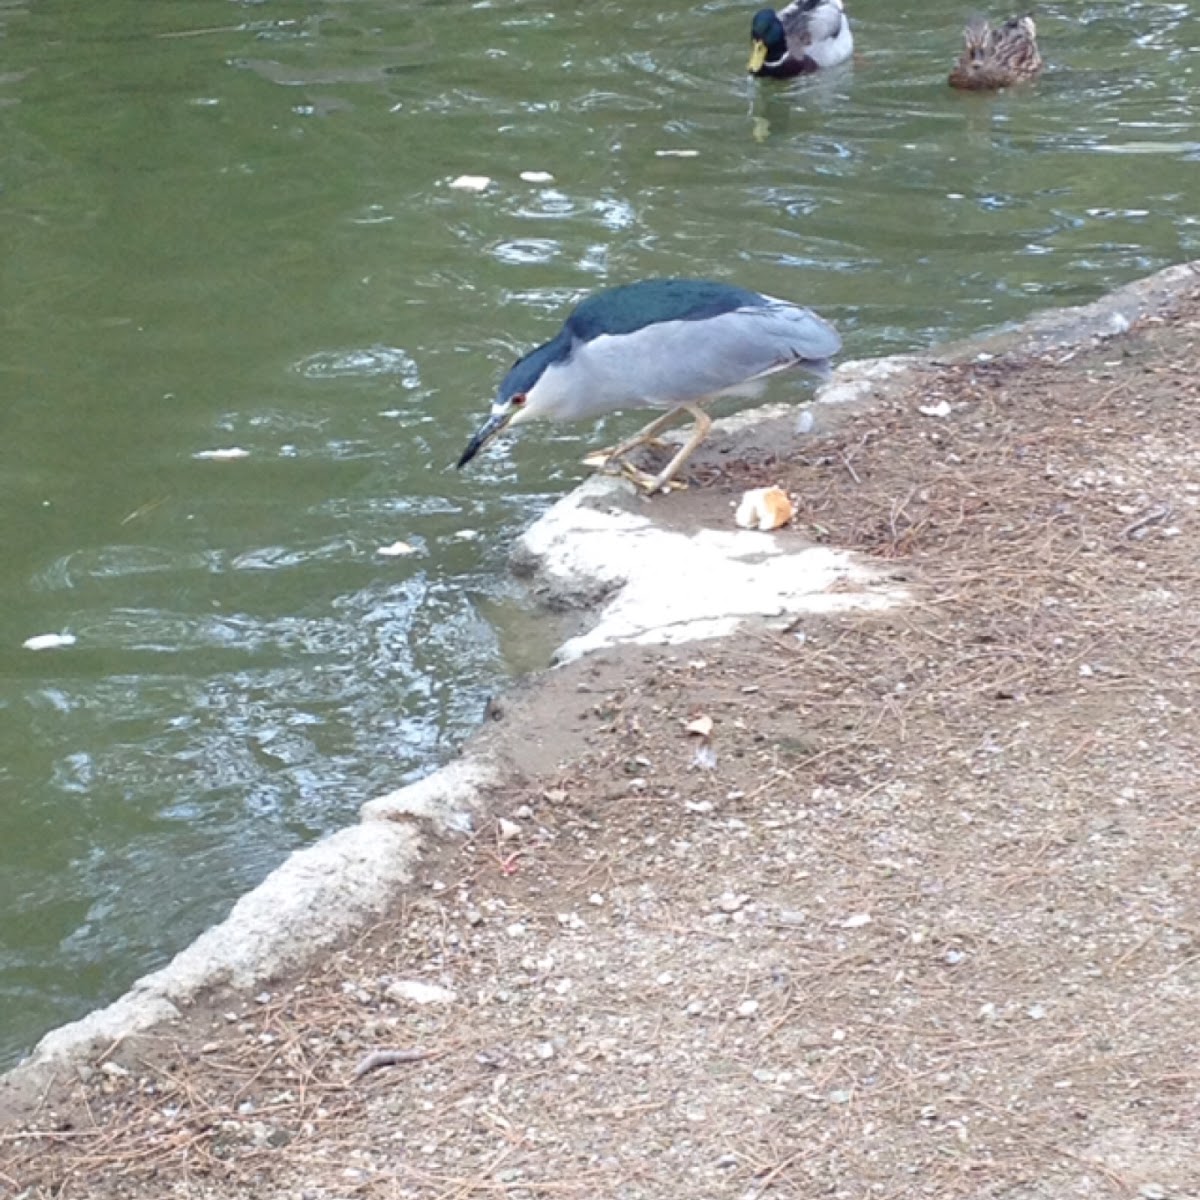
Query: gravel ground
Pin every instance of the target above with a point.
(896, 906)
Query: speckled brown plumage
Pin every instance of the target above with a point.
(997, 58)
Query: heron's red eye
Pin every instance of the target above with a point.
(518, 400)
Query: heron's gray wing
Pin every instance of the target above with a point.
(673, 362)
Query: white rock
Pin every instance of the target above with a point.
(940, 409)
(857, 921)
(415, 991)
(537, 177)
(222, 455)
(396, 549)
(677, 153)
(508, 829)
(747, 1008)
(471, 183)
(664, 585)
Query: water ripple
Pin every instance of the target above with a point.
(366, 362)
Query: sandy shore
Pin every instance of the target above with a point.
(894, 902)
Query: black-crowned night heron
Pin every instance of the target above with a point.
(665, 344)
(805, 36)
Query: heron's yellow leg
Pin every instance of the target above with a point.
(666, 477)
(646, 436)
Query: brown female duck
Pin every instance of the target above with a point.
(997, 58)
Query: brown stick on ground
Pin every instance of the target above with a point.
(389, 1058)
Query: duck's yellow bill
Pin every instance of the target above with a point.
(758, 56)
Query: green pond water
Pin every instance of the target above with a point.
(229, 225)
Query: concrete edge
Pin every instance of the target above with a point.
(313, 898)
(320, 893)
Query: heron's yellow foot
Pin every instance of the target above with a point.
(599, 459)
(647, 483)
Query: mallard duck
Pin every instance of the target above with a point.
(805, 36)
(996, 58)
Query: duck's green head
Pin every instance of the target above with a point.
(768, 42)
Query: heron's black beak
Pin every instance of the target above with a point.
(492, 426)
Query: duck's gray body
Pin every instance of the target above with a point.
(659, 344)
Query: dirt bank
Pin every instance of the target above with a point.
(892, 905)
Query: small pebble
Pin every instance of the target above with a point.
(416, 991)
(747, 1008)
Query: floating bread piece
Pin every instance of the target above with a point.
(49, 641)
